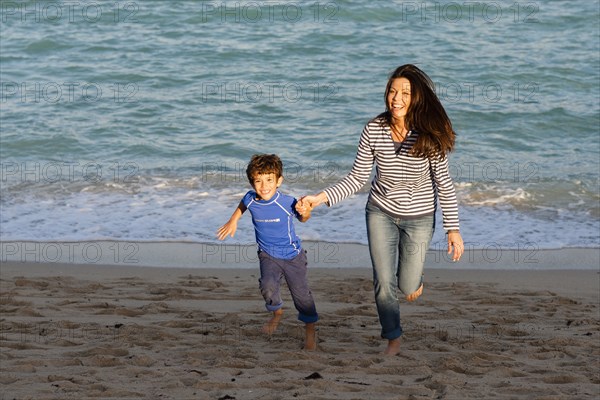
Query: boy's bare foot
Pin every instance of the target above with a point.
(393, 347)
(415, 295)
(271, 326)
(310, 340)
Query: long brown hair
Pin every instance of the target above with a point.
(425, 114)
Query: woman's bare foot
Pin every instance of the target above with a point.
(393, 347)
(415, 295)
(271, 326)
(310, 339)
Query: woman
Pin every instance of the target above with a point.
(409, 143)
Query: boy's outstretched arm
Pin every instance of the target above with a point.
(303, 209)
(231, 226)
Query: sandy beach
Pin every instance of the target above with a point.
(70, 331)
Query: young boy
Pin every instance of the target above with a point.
(279, 249)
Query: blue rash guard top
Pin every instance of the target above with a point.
(274, 224)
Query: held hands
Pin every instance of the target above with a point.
(304, 208)
(314, 200)
(455, 242)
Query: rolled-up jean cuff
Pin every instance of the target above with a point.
(275, 307)
(395, 334)
(308, 319)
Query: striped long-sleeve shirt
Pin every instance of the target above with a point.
(404, 186)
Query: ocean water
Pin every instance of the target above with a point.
(134, 120)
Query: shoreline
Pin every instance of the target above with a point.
(320, 254)
(574, 282)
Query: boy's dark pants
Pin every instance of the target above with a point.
(294, 271)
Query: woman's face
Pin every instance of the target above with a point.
(398, 98)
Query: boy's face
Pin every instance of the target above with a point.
(265, 185)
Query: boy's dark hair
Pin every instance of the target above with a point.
(264, 164)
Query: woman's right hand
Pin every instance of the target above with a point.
(315, 200)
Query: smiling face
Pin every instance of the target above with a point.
(265, 185)
(398, 98)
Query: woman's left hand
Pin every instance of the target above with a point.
(455, 243)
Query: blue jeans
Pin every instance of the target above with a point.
(397, 247)
(272, 270)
